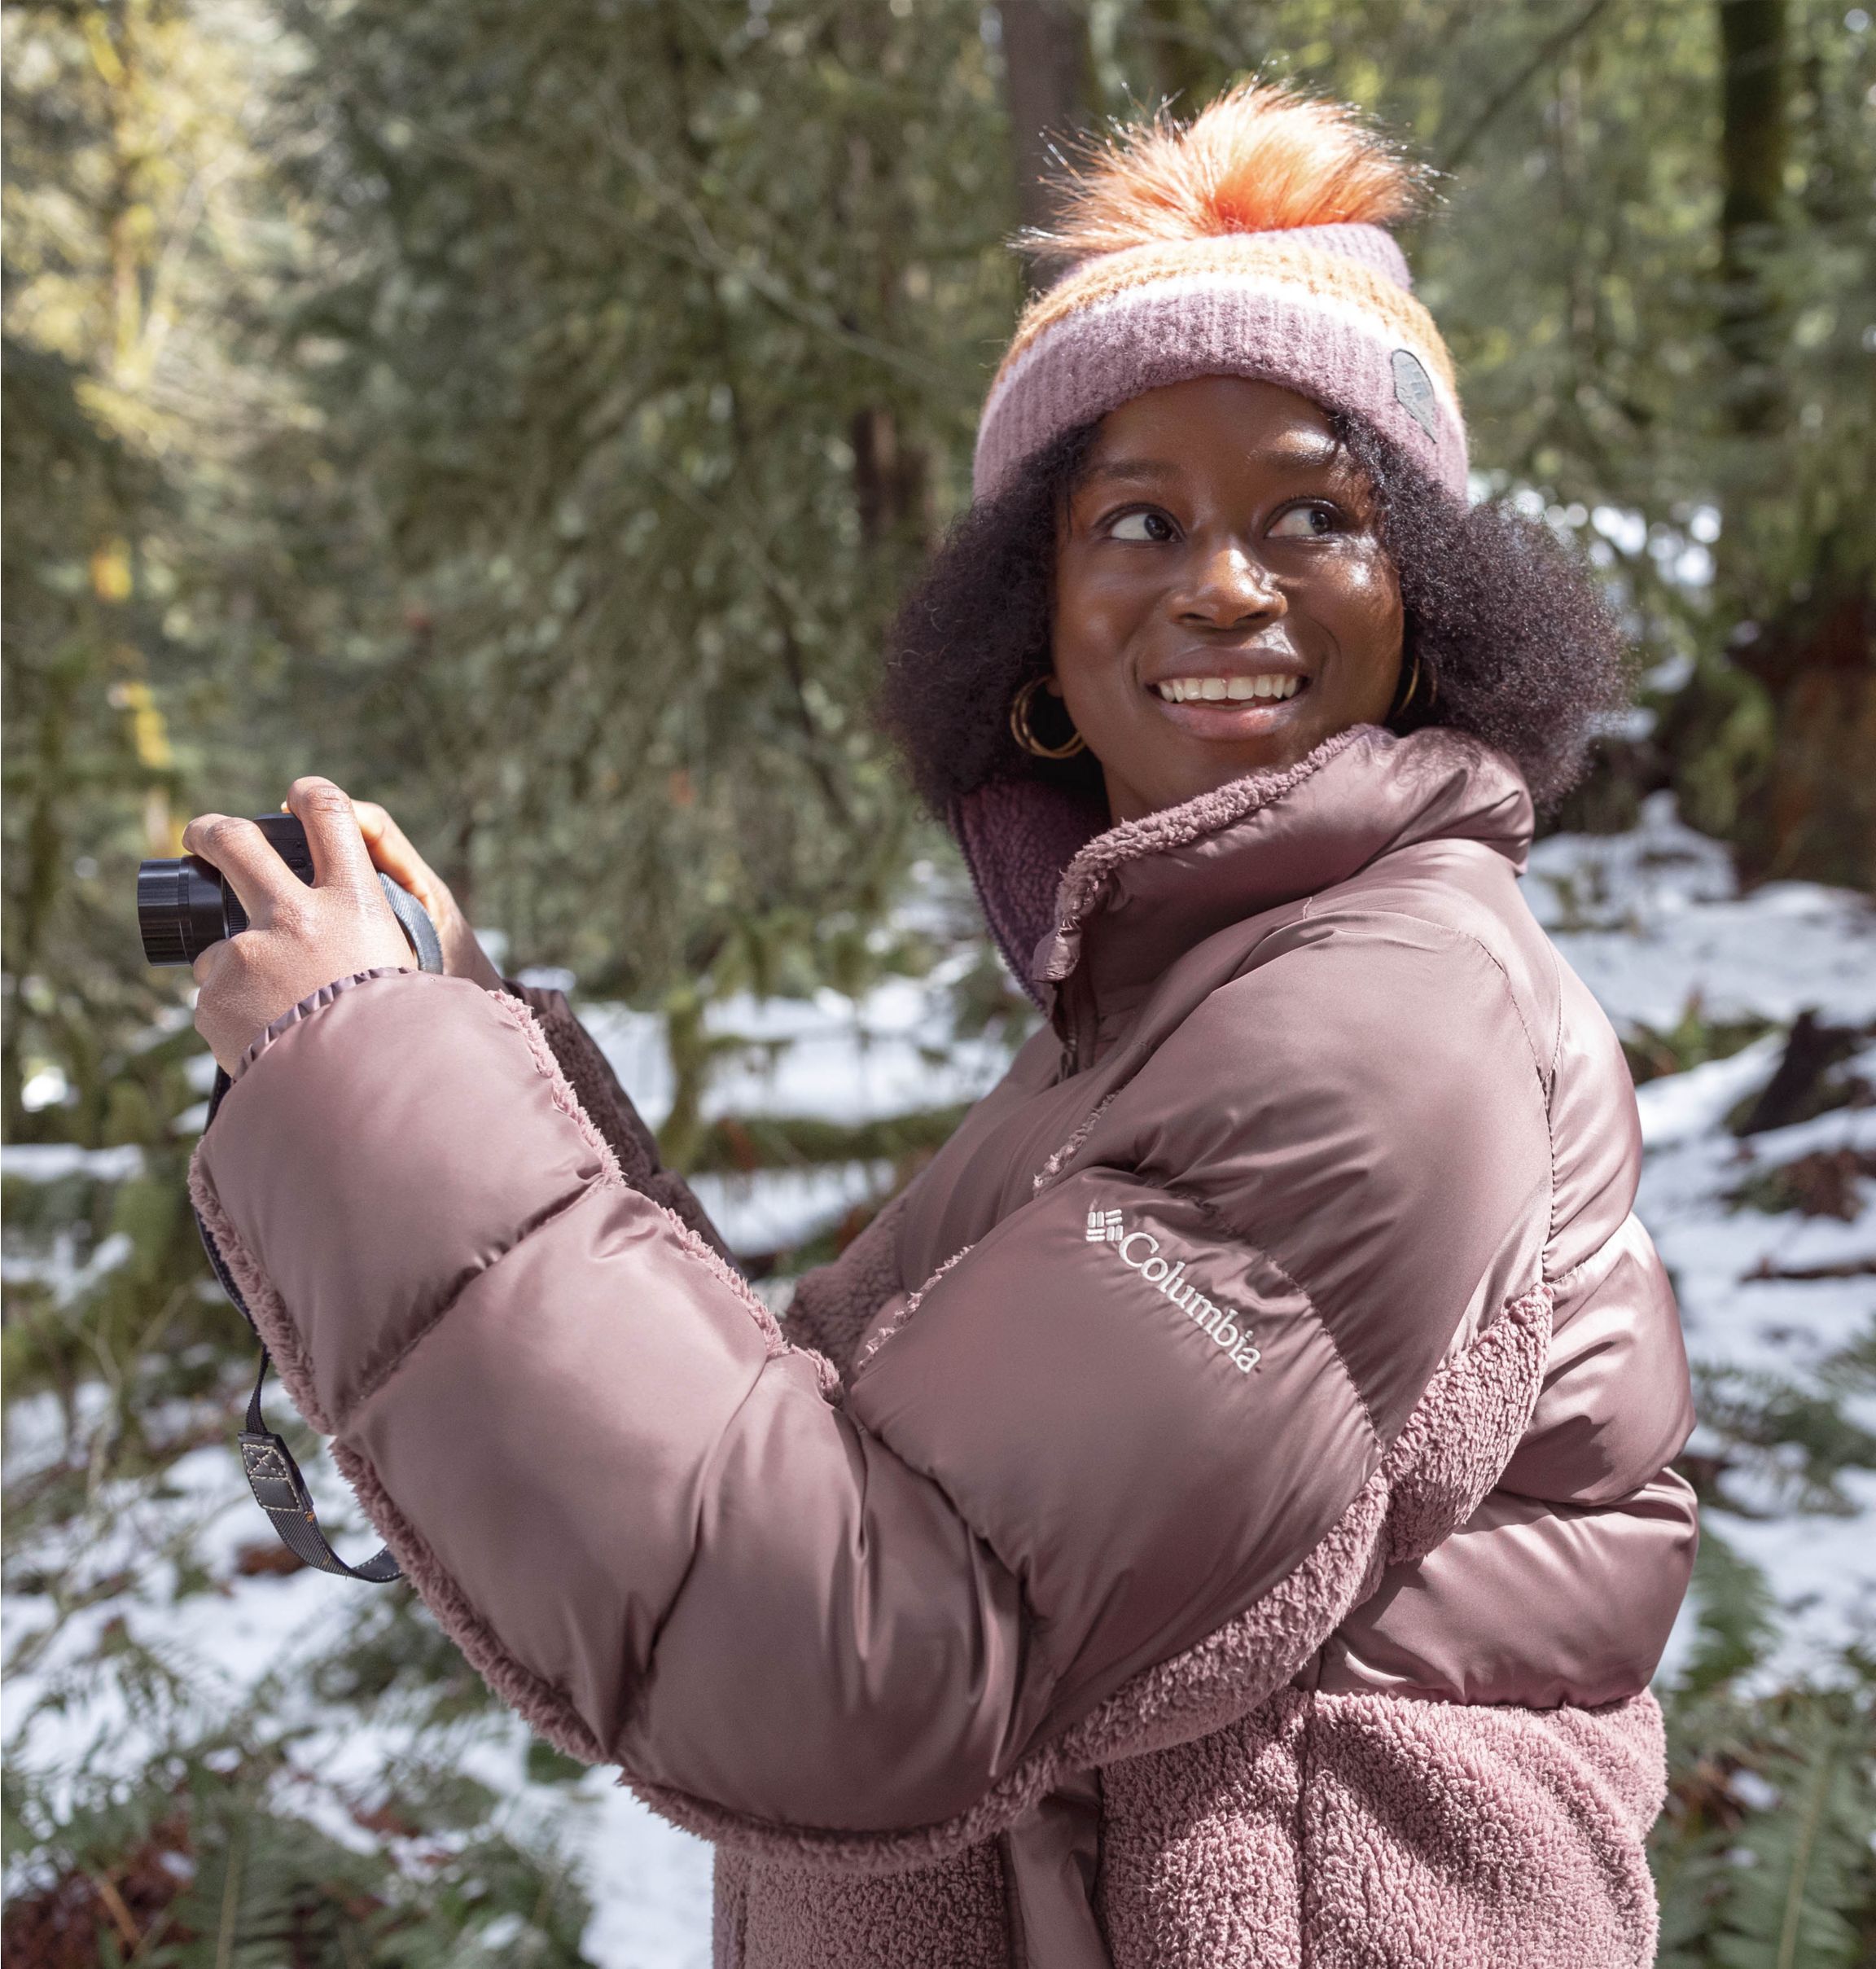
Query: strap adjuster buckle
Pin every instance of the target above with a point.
(273, 1475)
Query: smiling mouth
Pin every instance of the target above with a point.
(1272, 686)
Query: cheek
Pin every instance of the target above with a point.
(1371, 586)
(1093, 622)
(1364, 610)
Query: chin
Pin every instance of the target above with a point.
(1218, 766)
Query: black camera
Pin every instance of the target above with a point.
(184, 905)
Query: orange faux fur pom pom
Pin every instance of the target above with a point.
(1259, 159)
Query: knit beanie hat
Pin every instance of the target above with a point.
(1249, 244)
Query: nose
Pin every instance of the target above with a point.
(1229, 590)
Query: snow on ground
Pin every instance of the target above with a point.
(768, 1211)
(1650, 919)
(836, 1058)
(649, 1883)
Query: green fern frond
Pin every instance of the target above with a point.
(1802, 1866)
(1736, 1616)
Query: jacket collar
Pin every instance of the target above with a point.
(1061, 892)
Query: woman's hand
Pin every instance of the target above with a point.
(299, 938)
(463, 956)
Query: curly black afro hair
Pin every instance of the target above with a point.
(1523, 650)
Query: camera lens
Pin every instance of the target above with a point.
(181, 910)
(183, 905)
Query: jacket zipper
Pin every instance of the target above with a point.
(1079, 1021)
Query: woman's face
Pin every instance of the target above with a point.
(1222, 603)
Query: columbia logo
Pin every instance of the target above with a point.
(1139, 1251)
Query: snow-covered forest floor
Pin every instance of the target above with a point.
(154, 1616)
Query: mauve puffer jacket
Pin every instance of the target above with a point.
(1218, 1516)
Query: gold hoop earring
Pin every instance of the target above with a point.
(1406, 697)
(1019, 728)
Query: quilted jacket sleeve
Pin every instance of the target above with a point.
(596, 1087)
(677, 1542)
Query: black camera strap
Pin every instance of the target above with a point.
(281, 1492)
(272, 1474)
(264, 1457)
(167, 924)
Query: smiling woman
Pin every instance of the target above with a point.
(1230, 432)
(1218, 1516)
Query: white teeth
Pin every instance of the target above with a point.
(1211, 690)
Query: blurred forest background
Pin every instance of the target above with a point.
(527, 414)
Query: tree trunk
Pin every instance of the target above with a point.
(1814, 813)
(1812, 810)
(1047, 92)
(1752, 151)
(1185, 64)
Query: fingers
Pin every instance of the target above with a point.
(373, 821)
(391, 850)
(245, 857)
(341, 859)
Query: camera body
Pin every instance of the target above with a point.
(185, 904)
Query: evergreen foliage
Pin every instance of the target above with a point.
(652, 337)
(217, 1855)
(1763, 1858)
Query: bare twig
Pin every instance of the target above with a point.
(1509, 94)
(1846, 1268)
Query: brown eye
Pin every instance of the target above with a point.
(1310, 522)
(1148, 525)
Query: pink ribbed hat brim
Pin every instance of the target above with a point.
(1211, 319)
